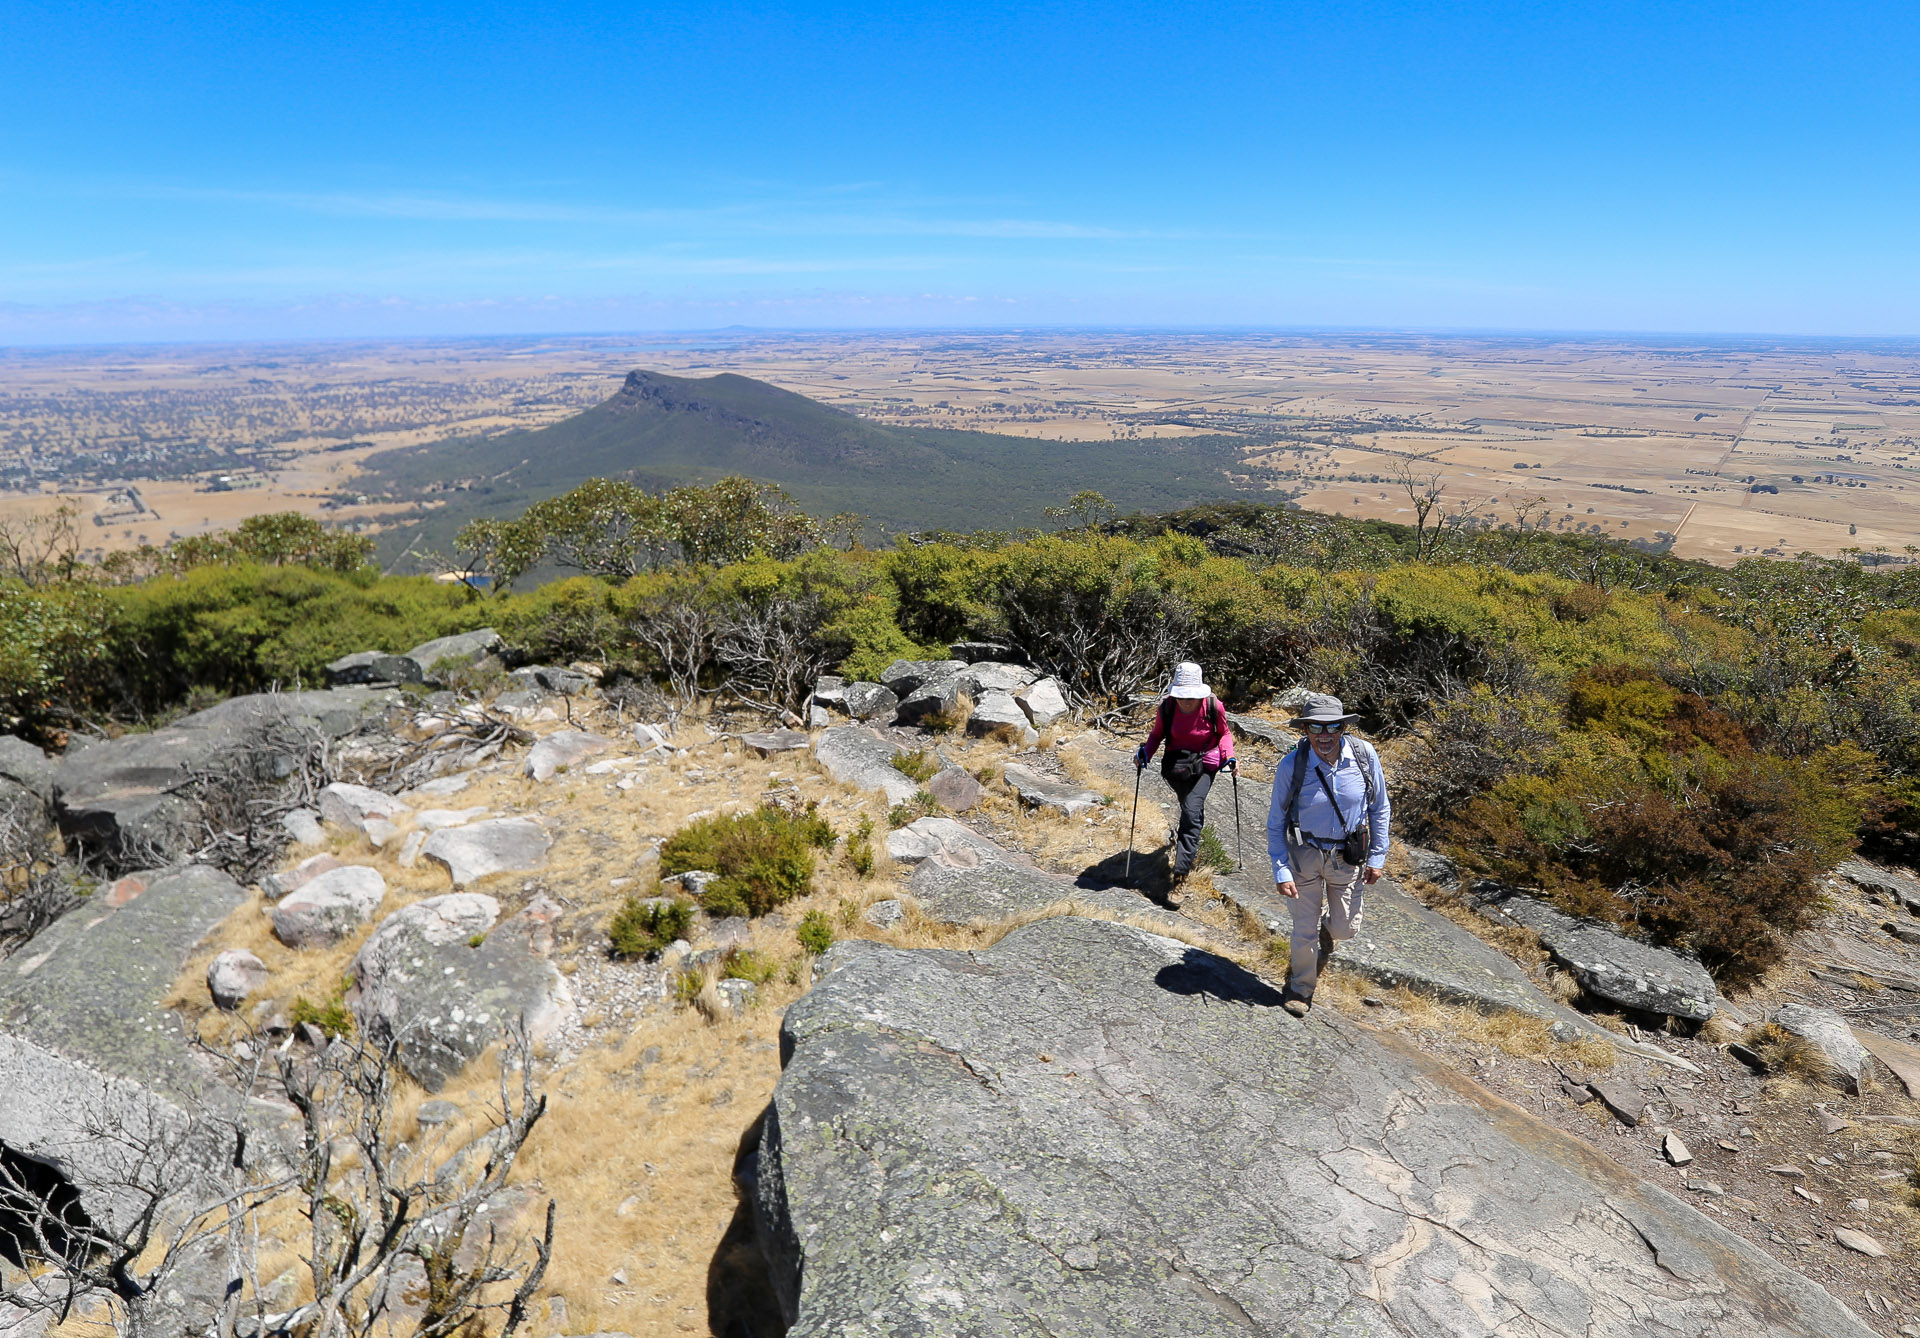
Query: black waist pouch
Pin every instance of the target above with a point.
(1183, 764)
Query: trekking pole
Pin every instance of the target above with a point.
(1239, 834)
(1128, 875)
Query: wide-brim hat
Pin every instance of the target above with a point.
(1324, 709)
(1187, 681)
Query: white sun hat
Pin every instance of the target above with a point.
(1186, 681)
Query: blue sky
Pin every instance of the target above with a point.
(178, 170)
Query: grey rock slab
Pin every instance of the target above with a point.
(483, 849)
(353, 806)
(1434, 867)
(871, 701)
(976, 652)
(979, 679)
(371, 667)
(1043, 702)
(1892, 885)
(1828, 1033)
(830, 690)
(1038, 791)
(961, 877)
(303, 825)
(903, 676)
(465, 648)
(27, 767)
(562, 750)
(1608, 964)
(84, 1035)
(924, 838)
(856, 756)
(277, 885)
(553, 678)
(885, 914)
(126, 798)
(423, 983)
(433, 819)
(233, 975)
(329, 906)
(997, 715)
(935, 695)
(767, 743)
(956, 790)
(1262, 731)
(1088, 1130)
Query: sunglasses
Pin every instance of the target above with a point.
(1318, 727)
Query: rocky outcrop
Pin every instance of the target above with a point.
(125, 799)
(483, 849)
(1891, 886)
(233, 975)
(1831, 1039)
(563, 750)
(371, 668)
(432, 658)
(356, 808)
(1608, 965)
(440, 982)
(85, 1041)
(856, 756)
(1088, 1130)
(996, 715)
(1043, 702)
(328, 906)
(960, 877)
(1036, 790)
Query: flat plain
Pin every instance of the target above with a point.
(1722, 448)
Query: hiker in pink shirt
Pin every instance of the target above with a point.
(1193, 724)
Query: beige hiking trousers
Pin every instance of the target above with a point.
(1330, 889)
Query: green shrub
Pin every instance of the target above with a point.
(333, 1018)
(687, 985)
(860, 848)
(922, 805)
(1213, 855)
(919, 765)
(815, 932)
(746, 964)
(641, 928)
(763, 858)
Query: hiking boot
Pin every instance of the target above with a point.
(1297, 1004)
(1177, 891)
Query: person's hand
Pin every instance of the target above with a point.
(1372, 875)
(1140, 758)
(1231, 764)
(1288, 889)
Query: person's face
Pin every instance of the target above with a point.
(1186, 705)
(1326, 746)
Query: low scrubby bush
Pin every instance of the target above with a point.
(641, 928)
(763, 858)
(815, 932)
(747, 964)
(918, 765)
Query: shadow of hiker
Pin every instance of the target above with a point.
(1149, 873)
(1200, 972)
(741, 1302)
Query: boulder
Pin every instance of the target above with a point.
(277, 885)
(482, 849)
(998, 716)
(1432, 866)
(1089, 1129)
(1038, 791)
(980, 679)
(85, 1035)
(329, 906)
(233, 975)
(356, 808)
(830, 690)
(1262, 731)
(563, 750)
(938, 694)
(371, 667)
(441, 982)
(464, 648)
(856, 756)
(552, 678)
(974, 652)
(433, 819)
(1828, 1033)
(123, 799)
(903, 676)
(766, 743)
(302, 825)
(885, 914)
(956, 789)
(27, 767)
(870, 701)
(1607, 964)
(1044, 703)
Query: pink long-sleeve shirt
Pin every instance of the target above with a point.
(1195, 732)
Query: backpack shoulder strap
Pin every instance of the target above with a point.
(1219, 716)
(1166, 718)
(1293, 788)
(1369, 759)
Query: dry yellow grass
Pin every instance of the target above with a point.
(1405, 1010)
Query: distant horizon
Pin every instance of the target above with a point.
(1702, 338)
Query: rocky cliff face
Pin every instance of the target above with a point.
(1089, 1130)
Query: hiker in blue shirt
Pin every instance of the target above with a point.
(1327, 836)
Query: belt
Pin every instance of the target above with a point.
(1326, 843)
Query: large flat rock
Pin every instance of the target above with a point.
(961, 877)
(122, 798)
(83, 1035)
(1607, 964)
(856, 756)
(1089, 1130)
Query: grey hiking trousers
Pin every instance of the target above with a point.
(1330, 891)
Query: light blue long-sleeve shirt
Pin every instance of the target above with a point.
(1317, 815)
